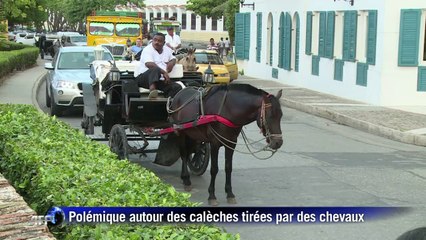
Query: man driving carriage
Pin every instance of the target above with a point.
(156, 63)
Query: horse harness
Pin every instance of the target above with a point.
(263, 121)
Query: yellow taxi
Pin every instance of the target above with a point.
(225, 70)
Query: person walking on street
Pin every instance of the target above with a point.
(42, 44)
(155, 65)
(221, 46)
(173, 40)
(227, 45)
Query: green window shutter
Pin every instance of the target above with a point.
(329, 35)
(338, 69)
(271, 44)
(371, 37)
(361, 74)
(239, 35)
(259, 36)
(349, 35)
(409, 30)
(308, 45)
(246, 35)
(315, 65)
(275, 73)
(287, 42)
(321, 37)
(421, 79)
(281, 42)
(296, 62)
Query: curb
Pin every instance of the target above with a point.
(34, 91)
(382, 131)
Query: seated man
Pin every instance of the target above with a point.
(153, 69)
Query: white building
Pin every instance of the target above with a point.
(194, 27)
(371, 51)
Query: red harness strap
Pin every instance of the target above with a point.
(205, 119)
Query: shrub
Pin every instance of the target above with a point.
(16, 57)
(52, 164)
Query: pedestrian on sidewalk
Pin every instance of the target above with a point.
(221, 47)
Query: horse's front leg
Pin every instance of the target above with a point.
(228, 171)
(214, 152)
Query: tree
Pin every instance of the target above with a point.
(217, 9)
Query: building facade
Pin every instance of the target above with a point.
(370, 51)
(194, 27)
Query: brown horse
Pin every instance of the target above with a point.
(239, 105)
(188, 61)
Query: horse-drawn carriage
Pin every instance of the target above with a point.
(203, 119)
(129, 119)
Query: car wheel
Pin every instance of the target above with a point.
(47, 97)
(55, 109)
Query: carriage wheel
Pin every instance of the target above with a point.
(200, 159)
(118, 141)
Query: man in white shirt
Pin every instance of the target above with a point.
(173, 40)
(155, 64)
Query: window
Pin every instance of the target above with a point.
(203, 22)
(183, 20)
(308, 44)
(206, 58)
(371, 37)
(329, 35)
(408, 52)
(214, 24)
(242, 35)
(101, 28)
(193, 21)
(350, 20)
(259, 36)
(127, 29)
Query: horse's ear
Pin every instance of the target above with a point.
(279, 94)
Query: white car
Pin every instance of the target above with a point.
(26, 38)
(69, 67)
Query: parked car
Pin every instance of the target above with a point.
(69, 67)
(224, 72)
(26, 38)
(11, 36)
(78, 40)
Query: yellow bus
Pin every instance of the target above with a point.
(112, 29)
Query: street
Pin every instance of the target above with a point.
(320, 164)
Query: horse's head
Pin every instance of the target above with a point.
(269, 120)
(188, 61)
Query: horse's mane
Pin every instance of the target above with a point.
(238, 87)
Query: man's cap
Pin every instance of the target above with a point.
(169, 28)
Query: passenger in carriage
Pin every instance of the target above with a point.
(154, 67)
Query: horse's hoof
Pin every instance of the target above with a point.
(213, 202)
(187, 188)
(232, 200)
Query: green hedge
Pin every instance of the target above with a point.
(52, 164)
(15, 56)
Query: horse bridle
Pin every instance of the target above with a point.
(263, 122)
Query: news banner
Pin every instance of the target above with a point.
(241, 215)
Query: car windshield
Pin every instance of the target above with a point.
(78, 60)
(78, 38)
(206, 58)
